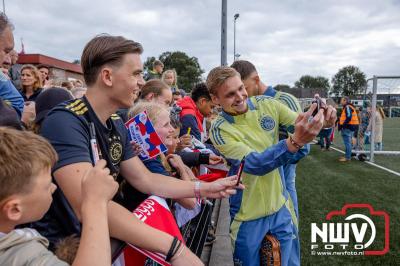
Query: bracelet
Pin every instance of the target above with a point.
(171, 249)
(180, 252)
(177, 248)
(197, 190)
(294, 143)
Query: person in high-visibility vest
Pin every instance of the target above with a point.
(348, 124)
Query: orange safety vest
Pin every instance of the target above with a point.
(354, 116)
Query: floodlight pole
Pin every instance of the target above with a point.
(234, 36)
(224, 33)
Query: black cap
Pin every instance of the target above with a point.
(48, 99)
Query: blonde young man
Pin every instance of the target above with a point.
(254, 86)
(248, 128)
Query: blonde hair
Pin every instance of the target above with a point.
(36, 74)
(218, 76)
(381, 112)
(153, 110)
(23, 155)
(173, 71)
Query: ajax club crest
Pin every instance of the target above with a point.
(267, 123)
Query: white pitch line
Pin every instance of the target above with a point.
(371, 163)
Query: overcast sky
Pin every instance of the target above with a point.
(283, 38)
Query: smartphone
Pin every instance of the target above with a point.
(240, 171)
(318, 102)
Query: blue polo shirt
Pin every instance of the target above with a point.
(67, 128)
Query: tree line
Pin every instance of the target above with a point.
(349, 80)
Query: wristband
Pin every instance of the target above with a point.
(180, 252)
(197, 189)
(294, 143)
(171, 249)
(177, 249)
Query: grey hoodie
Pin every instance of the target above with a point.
(26, 247)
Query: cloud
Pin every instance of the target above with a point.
(284, 39)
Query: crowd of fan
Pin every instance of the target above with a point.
(45, 140)
(71, 176)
